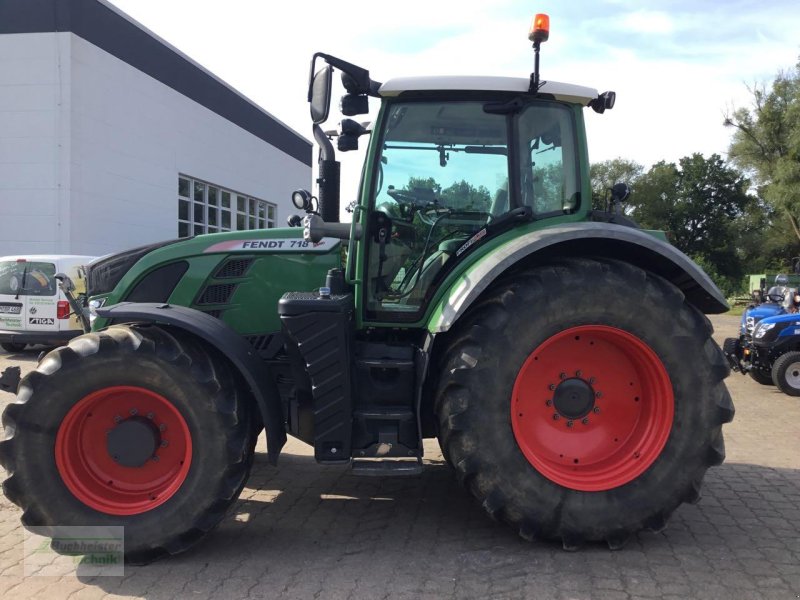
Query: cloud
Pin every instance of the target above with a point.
(649, 22)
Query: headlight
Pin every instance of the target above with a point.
(93, 306)
(749, 324)
(762, 329)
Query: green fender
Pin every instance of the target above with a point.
(596, 240)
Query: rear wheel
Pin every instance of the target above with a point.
(130, 427)
(786, 373)
(13, 347)
(576, 416)
(762, 377)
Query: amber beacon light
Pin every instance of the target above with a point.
(540, 31)
(540, 28)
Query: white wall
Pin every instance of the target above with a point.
(91, 149)
(34, 143)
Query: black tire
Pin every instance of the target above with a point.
(762, 377)
(13, 347)
(492, 343)
(198, 384)
(786, 373)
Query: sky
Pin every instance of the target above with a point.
(676, 66)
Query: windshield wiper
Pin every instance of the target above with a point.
(22, 284)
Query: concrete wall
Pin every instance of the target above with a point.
(91, 149)
(34, 143)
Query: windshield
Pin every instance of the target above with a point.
(443, 178)
(27, 278)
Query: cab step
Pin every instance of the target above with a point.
(386, 468)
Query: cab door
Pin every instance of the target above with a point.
(443, 177)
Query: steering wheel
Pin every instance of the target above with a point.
(776, 298)
(411, 202)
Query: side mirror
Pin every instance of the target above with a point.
(321, 94)
(620, 192)
(65, 282)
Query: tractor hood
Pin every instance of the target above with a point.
(224, 275)
(770, 329)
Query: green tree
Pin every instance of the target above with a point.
(766, 144)
(700, 202)
(608, 172)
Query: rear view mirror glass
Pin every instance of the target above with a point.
(321, 95)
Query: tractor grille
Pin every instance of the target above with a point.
(217, 294)
(214, 313)
(233, 267)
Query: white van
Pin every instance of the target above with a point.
(33, 310)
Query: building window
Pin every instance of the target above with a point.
(207, 208)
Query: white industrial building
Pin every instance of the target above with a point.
(111, 138)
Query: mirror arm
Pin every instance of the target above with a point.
(326, 151)
(359, 75)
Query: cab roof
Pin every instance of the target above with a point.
(566, 92)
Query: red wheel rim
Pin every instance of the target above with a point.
(622, 384)
(92, 474)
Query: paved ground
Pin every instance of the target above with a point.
(303, 531)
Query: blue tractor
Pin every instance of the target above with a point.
(754, 352)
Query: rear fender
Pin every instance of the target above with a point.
(254, 371)
(596, 240)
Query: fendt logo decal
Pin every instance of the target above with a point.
(41, 321)
(274, 245)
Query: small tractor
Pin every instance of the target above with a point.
(480, 301)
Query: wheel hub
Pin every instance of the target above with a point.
(573, 398)
(133, 441)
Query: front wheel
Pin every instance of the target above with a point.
(786, 373)
(134, 427)
(571, 414)
(762, 377)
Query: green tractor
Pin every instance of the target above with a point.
(560, 355)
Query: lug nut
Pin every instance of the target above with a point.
(117, 419)
(164, 443)
(562, 375)
(569, 423)
(162, 427)
(551, 387)
(548, 403)
(155, 458)
(592, 380)
(596, 410)
(598, 394)
(150, 415)
(585, 421)
(577, 373)
(134, 412)
(556, 417)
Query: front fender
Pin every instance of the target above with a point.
(219, 335)
(597, 240)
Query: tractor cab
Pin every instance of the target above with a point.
(452, 164)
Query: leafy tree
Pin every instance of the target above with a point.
(460, 195)
(605, 174)
(766, 143)
(699, 202)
